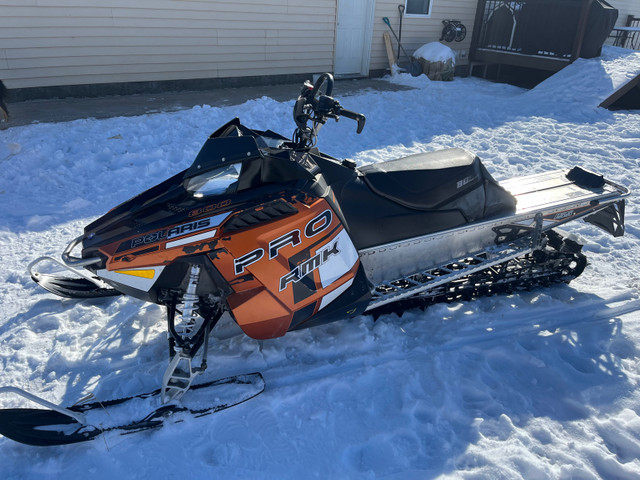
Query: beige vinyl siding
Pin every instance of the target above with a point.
(416, 31)
(69, 42)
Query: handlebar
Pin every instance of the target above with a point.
(358, 117)
(311, 105)
(325, 76)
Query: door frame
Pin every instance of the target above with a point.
(366, 52)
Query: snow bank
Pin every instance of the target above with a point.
(541, 384)
(588, 83)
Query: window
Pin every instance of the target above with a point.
(418, 7)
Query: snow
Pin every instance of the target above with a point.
(541, 384)
(589, 82)
(435, 52)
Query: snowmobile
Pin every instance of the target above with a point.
(282, 237)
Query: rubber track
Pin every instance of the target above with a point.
(559, 262)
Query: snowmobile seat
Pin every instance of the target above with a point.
(451, 179)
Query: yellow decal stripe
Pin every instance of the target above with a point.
(138, 273)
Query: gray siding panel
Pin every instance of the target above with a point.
(69, 42)
(416, 31)
(74, 42)
(625, 8)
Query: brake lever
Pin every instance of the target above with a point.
(358, 117)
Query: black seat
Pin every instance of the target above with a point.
(445, 179)
(418, 195)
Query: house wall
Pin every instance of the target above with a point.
(416, 31)
(48, 44)
(70, 42)
(625, 8)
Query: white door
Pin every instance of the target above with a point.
(353, 37)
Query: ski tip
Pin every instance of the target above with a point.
(78, 288)
(47, 427)
(43, 428)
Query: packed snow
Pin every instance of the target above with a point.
(542, 384)
(435, 52)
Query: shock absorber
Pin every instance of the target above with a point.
(191, 320)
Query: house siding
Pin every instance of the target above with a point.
(59, 43)
(73, 42)
(625, 8)
(416, 31)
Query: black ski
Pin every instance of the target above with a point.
(68, 287)
(42, 427)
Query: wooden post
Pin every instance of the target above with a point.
(477, 28)
(580, 31)
(630, 19)
(390, 56)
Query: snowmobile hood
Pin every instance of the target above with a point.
(260, 159)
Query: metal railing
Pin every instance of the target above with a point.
(546, 29)
(629, 35)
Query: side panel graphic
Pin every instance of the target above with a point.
(286, 267)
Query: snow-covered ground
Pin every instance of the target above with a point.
(542, 384)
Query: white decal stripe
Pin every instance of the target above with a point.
(209, 222)
(331, 296)
(193, 238)
(139, 283)
(337, 265)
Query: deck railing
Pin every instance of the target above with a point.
(545, 34)
(629, 35)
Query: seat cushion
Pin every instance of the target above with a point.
(451, 179)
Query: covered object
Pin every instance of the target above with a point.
(538, 31)
(545, 34)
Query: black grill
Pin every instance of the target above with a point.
(262, 213)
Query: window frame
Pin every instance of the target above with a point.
(419, 15)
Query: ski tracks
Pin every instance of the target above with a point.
(439, 336)
(428, 385)
(548, 319)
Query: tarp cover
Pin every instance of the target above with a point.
(546, 27)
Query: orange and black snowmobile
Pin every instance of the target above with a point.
(281, 236)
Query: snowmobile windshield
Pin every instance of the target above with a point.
(265, 141)
(215, 182)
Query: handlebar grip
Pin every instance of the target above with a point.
(321, 79)
(358, 117)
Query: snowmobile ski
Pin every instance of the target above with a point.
(81, 286)
(86, 421)
(78, 288)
